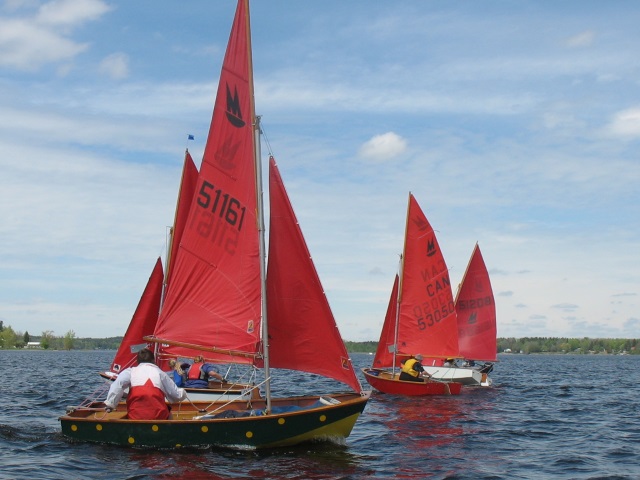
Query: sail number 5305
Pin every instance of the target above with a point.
(430, 313)
(222, 204)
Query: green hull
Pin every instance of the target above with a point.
(263, 431)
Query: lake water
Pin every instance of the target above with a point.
(547, 417)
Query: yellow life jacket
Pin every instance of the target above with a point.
(407, 367)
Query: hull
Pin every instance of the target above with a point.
(384, 382)
(293, 421)
(465, 376)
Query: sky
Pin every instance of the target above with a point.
(515, 124)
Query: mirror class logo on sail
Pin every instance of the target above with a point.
(439, 305)
(222, 215)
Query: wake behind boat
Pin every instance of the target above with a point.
(223, 302)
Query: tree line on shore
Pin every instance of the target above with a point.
(528, 345)
(10, 339)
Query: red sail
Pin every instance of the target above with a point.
(214, 295)
(476, 309)
(143, 321)
(386, 345)
(185, 196)
(427, 320)
(303, 334)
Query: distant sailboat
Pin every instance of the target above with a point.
(476, 318)
(421, 317)
(476, 310)
(223, 303)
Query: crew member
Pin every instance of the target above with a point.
(413, 371)
(148, 386)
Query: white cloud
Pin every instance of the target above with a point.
(625, 123)
(383, 147)
(70, 12)
(115, 66)
(31, 41)
(583, 39)
(26, 46)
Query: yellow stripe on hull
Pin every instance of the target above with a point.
(339, 429)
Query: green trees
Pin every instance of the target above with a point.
(569, 345)
(8, 338)
(46, 338)
(542, 345)
(68, 340)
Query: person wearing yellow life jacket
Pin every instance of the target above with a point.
(200, 372)
(148, 386)
(412, 370)
(450, 363)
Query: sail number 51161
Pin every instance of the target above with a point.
(223, 204)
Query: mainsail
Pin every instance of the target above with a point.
(214, 295)
(476, 311)
(427, 318)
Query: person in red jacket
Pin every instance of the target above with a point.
(148, 386)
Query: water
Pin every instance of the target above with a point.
(547, 417)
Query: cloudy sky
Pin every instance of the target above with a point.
(515, 124)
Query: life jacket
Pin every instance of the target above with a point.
(178, 379)
(407, 367)
(146, 398)
(196, 373)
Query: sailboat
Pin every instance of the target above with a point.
(420, 317)
(476, 311)
(224, 303)
(476, 314)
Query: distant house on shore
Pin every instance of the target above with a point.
(32, 345)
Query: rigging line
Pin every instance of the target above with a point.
(200, 410)
(247, 390)
(230, 401)
(266, 140)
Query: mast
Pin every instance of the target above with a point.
(400, 281)
(263, 269)
(260, 217)
(397, 319)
